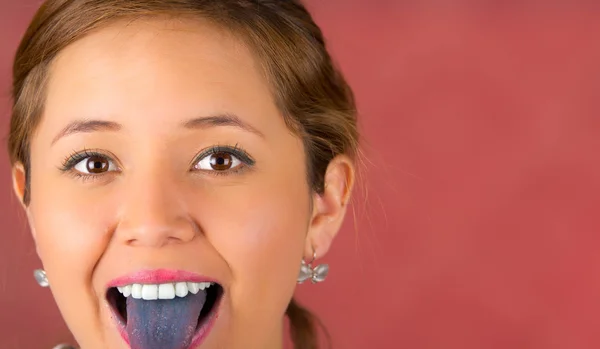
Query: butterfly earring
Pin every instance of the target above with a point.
(316, 274)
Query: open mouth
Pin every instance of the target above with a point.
(169, 315)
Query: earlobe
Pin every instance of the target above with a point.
(330, 207)
(19, 178)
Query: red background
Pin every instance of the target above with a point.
(481, 225)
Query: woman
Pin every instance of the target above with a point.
(182, 164)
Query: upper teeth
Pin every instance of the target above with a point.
(162, 291)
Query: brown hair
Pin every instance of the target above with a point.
(314, 98)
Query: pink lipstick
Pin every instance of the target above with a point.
(158, 276)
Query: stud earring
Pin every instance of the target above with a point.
(41, 278)
(64, 346)
(316, 274)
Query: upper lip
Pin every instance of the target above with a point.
(158, 276)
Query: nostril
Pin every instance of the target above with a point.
(156, 235)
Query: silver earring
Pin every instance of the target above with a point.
(64, 346)
(41, 278)
(316, 274)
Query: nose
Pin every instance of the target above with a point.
(153, 213)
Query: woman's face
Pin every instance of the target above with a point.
(161, 158)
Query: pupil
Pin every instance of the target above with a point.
(221, 161)
(97, 165)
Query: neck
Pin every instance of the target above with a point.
(276, 340)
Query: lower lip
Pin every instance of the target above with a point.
(198, 338)
(206, 328)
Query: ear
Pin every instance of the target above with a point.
(19, 178)
(329, 208)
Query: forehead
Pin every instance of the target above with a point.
(160, 70)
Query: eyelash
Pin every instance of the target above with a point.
(236, 151)
(75, 158)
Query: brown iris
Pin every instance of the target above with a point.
(221, 161)
(97, 164)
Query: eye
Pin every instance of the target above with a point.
(218, 161)
(94, 164)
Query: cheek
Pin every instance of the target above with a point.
(70, 237)
(261, 236)
(67, 230)
(267, 238)
(70, 242)
(67, 218)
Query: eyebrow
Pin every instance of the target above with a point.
(221, 120)
(88, 126)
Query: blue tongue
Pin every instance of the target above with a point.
(163, 324)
